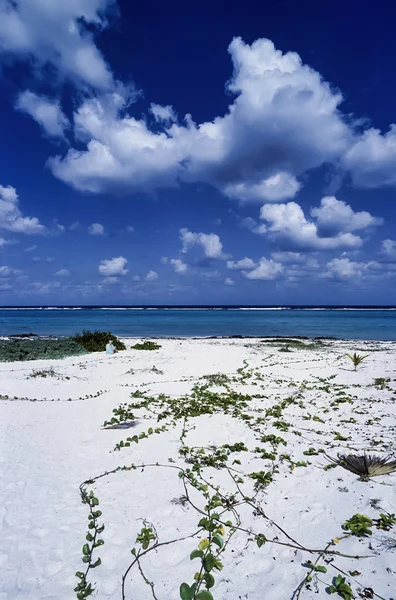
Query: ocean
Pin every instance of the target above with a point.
(364, 323)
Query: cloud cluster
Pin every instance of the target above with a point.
(46, 111)
(57, 35)
(11, 217)
(344, 268)
(284, 121)
(209, 242)
(151, 276)
(62, 273)
(331, 227)
(266, 269)
(333, 216)
(178, 265)
(371, 160)
(113, 267)
(244, 263)
(388, 249)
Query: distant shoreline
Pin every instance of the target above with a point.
(205, 307)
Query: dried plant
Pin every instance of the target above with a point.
(366, 465)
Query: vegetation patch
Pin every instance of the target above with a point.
(146, 345)
(224, 488)
(36, 349)
(95, 341)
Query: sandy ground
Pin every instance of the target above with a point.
(49, 446)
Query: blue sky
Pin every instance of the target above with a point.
(168, 154)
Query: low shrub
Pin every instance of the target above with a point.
(95, 341)
(36, 349)
(146, 345)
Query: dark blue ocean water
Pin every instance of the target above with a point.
(348, 323)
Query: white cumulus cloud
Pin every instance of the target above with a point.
(11, 217)
(244, 263)
(57, 34)
(335, 215)
(283, 121)
(151, 276)
(281, 186)
(163, 113)
(178, 265)
(46, 111)
(287, 225)
(209, 242)
(113, 266)
(344, 268)
(371, 160)
(62, 273)
(266, 269)
(388, 249)
(228, 281)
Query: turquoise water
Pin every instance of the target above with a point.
(369, 324)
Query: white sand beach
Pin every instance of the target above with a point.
(52, 439)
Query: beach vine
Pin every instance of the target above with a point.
(219, 513)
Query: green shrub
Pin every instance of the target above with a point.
(95, 341)
(36, 349)
(146, 345)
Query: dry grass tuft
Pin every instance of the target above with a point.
(366, 465)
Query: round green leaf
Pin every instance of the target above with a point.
(204, 595)
(196, 554)
(209, 580)
(209, 562)
(218, 540)
(185, 592)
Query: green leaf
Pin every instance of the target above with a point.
(321, 569)
(209, 562)
(332, 589)
(85, 559)
(204, 595)
(216, 516)
(209, 580)
(80, 575)
(218, 540)
(309, 578)
(260, 540)
(203, 523)
(218, 565)
(96, 563)
(196, 554)
(85, 550)
(186, 593)
(89, 537)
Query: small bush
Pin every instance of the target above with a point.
(95, 341)
(146, 345)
